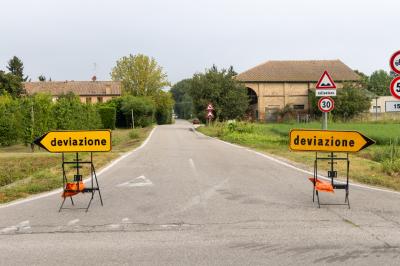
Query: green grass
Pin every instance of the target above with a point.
(23, 173)
(376, 165)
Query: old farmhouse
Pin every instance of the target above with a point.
(88, 91)
(274, 84)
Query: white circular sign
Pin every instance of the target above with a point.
(395, 62)
(326, 104)
(395, 87)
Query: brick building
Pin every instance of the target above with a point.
(88, 91)
(275, 84)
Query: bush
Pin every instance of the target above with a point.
(142, 108)
(10, 128)
(134, 134)
(108, 116)
(164, 104)
(121, 120)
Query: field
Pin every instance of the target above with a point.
(23, 173)
(377, 165)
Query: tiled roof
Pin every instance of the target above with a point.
(300, 71)
(82, 88)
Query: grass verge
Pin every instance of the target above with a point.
(23, 173)
(368, 166)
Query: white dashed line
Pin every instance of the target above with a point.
(73, 222)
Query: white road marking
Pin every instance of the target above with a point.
(114, 226)
(126, 220)
(21, 227)
(73, 222)
(57, 191)
(191, 162)
(9, 229)
(299, 169)
(204, 196)
(140, 181)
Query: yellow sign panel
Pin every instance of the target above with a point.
(76, 141)
(327, 140)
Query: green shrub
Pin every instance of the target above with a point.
(391, 167)
(134, 134)
(10, 128)
(108, 116)
(164, 104)
(143, 109)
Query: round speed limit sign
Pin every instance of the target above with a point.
(395, 87)
(326, 104)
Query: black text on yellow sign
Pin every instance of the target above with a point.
(76, 141)
(327, 140)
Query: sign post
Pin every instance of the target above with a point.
(75, 142)
(325, 87)
(326, 104)
(329, 141)
(210, 114)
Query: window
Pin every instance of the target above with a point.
(376, 108)
(298, 107)
(88, 99)
(99, 99)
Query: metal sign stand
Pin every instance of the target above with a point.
(77, 179)
(332, 174)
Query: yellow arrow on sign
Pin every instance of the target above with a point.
(76, 141)
(328, 140)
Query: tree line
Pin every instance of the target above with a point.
(231, 101)
(143, 102)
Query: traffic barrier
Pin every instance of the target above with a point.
(325, 186)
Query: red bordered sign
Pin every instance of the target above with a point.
(326, 104)
(325, 82)
(395, 87)
(395, 62)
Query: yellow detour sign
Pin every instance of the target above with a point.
(76, 141)
(327, 140)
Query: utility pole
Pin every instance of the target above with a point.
(133, 119)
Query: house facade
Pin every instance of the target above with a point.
(88, 91)
(275, 84)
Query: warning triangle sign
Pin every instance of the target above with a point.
(326, 82)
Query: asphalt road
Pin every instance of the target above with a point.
(186, 199)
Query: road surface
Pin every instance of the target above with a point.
(186, 199)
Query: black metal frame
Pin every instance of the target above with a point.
(78, 177)
(332, 158)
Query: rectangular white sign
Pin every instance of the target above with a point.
(392, 106)
(321, 93)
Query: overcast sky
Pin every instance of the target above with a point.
(62, 39)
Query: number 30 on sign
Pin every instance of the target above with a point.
(326, 104)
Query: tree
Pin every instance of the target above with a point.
(140, 75)
(364, 79)
(228, 96)
(16, 67)
(349, 102)
(164, 104)
(42, 78)
(10, 84)
(183, 107)
(379, 83)
(142, 108)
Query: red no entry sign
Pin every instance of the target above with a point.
(326, 104)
